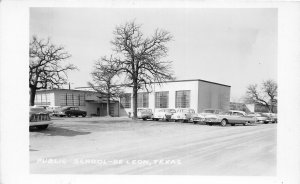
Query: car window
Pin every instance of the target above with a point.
(172, 111)
(209, 111)
(225, 113)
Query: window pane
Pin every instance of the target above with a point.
(162, 99)
(126, 100)
(143, 100)
(182, 99)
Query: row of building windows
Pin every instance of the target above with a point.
(182, 99)
(70, 99)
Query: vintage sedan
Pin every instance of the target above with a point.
(263, 117)
(70, 111)
(144, 113)
(184, 115)
(229, 117)
(271, 118)
(163, 114)
(201, 116)
(39, 118)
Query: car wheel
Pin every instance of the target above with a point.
(76, 116)
(42, 127)
(210, 124)
(266, 122)
(247, 123)
(83, 115)
(144, 119)
(195, 122)
(223, 122)
(232, 124)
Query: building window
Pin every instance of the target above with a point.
(70, 99)
(42, 99)
(182, 99)
(162, 99)
(126, 100)
(143, 100)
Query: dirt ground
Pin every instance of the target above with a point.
(123, 146)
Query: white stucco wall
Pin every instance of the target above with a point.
(172, 87)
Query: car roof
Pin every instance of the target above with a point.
(237, 111)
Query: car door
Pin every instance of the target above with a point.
(240, 118)
(76, 111)
(234, 117)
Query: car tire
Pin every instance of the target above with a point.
(195, 122)
(42, 127)
(83, 115)
(210, 124)
(247, 123)
(266, 122)
(232, 124)
(223, 122)
(144, 119)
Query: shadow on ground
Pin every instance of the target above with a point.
(58, 131)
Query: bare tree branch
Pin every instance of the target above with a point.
(266, 96)
(141, 57)
(45, 69)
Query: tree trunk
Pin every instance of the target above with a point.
(134, 96)
(32, 93)
(108, 105)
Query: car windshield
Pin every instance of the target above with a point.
(210, 111)
(171, 110)
(37, 109)
(64, 108)
(225, 113)
(144, 110)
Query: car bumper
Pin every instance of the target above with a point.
(212, 121)
(40, 123)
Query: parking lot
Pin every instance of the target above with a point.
(123, 146)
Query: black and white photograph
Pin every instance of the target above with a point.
(153, 91)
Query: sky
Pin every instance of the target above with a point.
(236, 47)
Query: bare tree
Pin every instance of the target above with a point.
(266, 95)
(105, 80)
(140, 57)
(45, 69)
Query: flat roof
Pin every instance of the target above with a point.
(59, 89)
(185, 80)
(188, 80)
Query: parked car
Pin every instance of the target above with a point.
(143, 113)
(272, 116)
(70, 111)
(183, 115)
(263, 117)
(164, 114)
(229, 117)
(201, 116)
(39, 118)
